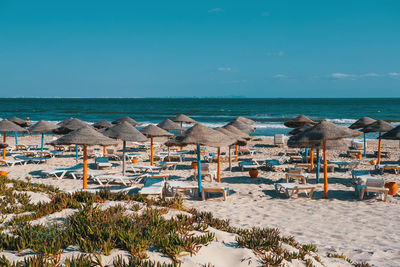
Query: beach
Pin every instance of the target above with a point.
(362, 230)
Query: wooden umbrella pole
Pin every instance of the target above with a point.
(325, 172)
(199, 169)
(379, 148)
(84, 167)
(151, 150)
(181, 133)
(311, 159)
(318, 168)
(230, 159)
(219, 165)
(237, 153)
(123, 157)
(104, 151)
(365, 147)
(41, 146)
(4, 141)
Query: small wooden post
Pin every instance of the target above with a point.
(230, 159)
(151, 151)
(237, 153)
(76, 152)
(84, 167)
(318, 167)
(104, 151)
(123, 157)
(311, 159)
(16, 137)
(219, 165)
(379, 148)
(325, 171)
(4, 141)
(41, 147)
(181, 133)
(199, 169)
(365, 147)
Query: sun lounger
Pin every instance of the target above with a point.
(355, 174)
(290, 189)
(206, 189)
(276, 164)
(384, 154)
(167, 165)
(34, 160)
(206, 172)
(247, 165)
(356, 145)
(180, 186)
(354, 153)
(296, 158)
(250, 151)
(279, 140)
(60, 173)
(13, 162)
(371, 184)
(97, 190)
(108, 178)
(384, 167)
(144, 168)
(21, 147)
(153, 186)
(345, 164)
(297, 175)
(102, 162)
(291, 152)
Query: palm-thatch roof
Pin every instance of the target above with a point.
(330, 144)
(393, 134)
(125, 131)
(102, 124)
(70, 125)
(300, 129)
(9, 126)
(84, 136)
(42, 127)
(246, 120)
(19, 121)
(361, 123)
(169, 125)
(377, 126)
(3, 145)
(299, 121)
(244, 127)
(202, 135)
(152, 130)
(183, 118)
(324, 131)
(128, 120)
(61, 123)
(239, 140)
(236, 131)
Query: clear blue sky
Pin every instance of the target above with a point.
(204, 48)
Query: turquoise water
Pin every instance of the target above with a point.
(269, 113)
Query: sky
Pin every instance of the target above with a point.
(200, 48)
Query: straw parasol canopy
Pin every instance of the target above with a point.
(183, 118)
(61, 123)
(128, 120)
(169, 125)
(85, 135)
(362, 122)
(244, 127)
(152, 130)
(236, 131)
(19, 121)
(102, 124)
(239, 139)
(393, 134)
(3, 145)
(246, 120)
(377, 126)
(70, 125)
(300, 129)
(298, 121)
(9, 126)
(42, 127)
(330, 144)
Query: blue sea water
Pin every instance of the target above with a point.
(269, 113)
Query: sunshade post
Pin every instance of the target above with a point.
(181, 133)
(379, 148)
(76, 152)
(123, 157)
(151, 151)
(4, 141)
(317, 176)
(365, 147)
(230, 159)
(236, 153)
(16, 137)
(41, 146)
(104, 151)
(199, 169)
(219, 165)
(84, 167)
(325, 171)
(311, 159)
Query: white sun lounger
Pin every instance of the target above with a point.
(144, 168)
(60, 173)
(371, 184)
(290, 189)
(177, 186)
(13, 162)
(206, 189)
(107, 178)
(153, 186)
(102, 162)
(96, 190)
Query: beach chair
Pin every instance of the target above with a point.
(34, 160)
(206, 172)
(61, 172)
(356, 145)
(105, 179)
(297, 175)
(279, 140)
(371, 184)
(21, 147)
(167, 165)
(290, 189)
(385, 167)
(180, 186)
(12, 162)
(355, 174)
(124, 190)
(250, 151)
(145, 168)
(207, 189)
(153, 186)
(384, 154)
(247, 165)
(102, 162)
(111, 153)
(277, 164)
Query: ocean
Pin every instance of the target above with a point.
(269, 113)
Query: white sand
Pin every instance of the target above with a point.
(363, 230)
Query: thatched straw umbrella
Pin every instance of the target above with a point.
(68, 126)
(239, 141)
(61, 123)
(8, 126)
(19, 122)
(128, 120)
(102, 124)
(201, 135)
(238, 132)
(85, 136)
(126, 132)
(361, 123)
(182, 118)
(3, 145)
(393, 134)
(299, 121)
(169, 125)
(300, 129)
(42, 127)
(244, 127)
(152, 131)
(246, 120)
(378, 126)
(321, 133)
